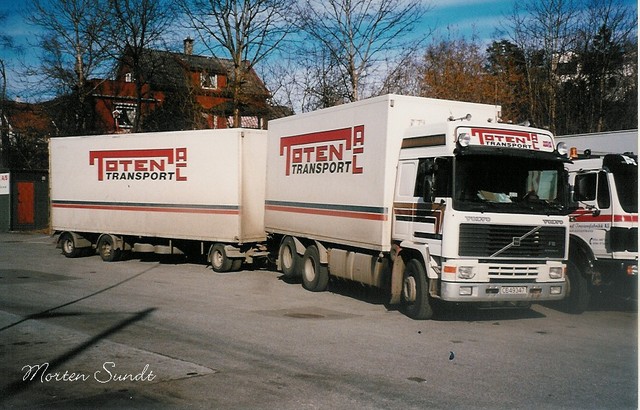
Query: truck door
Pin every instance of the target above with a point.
(593, 220)
(404, 202)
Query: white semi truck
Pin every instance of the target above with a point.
(434, 199)
(191, 192)
(603, 247)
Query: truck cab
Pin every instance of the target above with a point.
(604, 225)
(486, 204)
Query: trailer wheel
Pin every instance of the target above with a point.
(315, 276)
(415, 292)
(577, 299)
(289, 259)
(68, 246)
(219, 260)
(107, 249)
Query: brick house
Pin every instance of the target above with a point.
(178, 85)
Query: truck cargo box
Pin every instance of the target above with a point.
(203, 185)
(331, 173)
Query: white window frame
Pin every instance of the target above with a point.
(208, 81)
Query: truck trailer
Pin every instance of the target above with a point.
(435, 200)
(603, 246)
(188, 192)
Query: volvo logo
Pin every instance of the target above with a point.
(553, 221)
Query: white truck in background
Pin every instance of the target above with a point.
(600, 143)
(603, 247)
(433, 199)
(188, 192)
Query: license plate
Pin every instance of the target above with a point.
(513, 290)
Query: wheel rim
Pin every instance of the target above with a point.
(409, 289)
(309, 270)
(106, 249)
(216, 259)
(287, 258)
(67, 246)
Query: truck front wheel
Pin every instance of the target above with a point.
(315, 276)
(415, 292)
(577, 300)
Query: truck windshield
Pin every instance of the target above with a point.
(626, 177)
(506, 184)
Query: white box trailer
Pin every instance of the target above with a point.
(169, 192)
(432, 199)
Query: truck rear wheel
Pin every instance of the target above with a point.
(289, 259)
(236, 264)
(68, 246)
(315, 276)
(107, 249)
(219, 260)
(577, 300)
(415, 292)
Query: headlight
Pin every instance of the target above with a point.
(562, 148)
(556, 272)
(464, 139)
(466, 272)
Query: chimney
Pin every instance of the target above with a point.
(188, 46)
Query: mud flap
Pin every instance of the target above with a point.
(397, 276)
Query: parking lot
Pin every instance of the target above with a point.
(167, 333)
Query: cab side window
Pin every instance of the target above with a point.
(433, 178)
(585, 187)
(604, 200)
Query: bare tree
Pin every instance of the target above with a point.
(136, 27)
(546, 32)
(5, 43)
(357, 35)
(608, 30)
(245, 30)
(68, 36)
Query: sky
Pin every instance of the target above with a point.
(460, 17)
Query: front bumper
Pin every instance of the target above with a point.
(502, 292)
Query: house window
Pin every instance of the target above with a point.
(128, 77)
(208, 80)
(245, 122)
(124, 115)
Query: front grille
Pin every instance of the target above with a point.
(516, 272)
(480, 240)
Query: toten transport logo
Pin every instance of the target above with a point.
(166, 164)
(335, 151)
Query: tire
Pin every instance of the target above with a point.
(289, 260)
(415, 292)
(578, 297)
(219, 260)
(107, 249)
(315, 276)
(68, 246)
